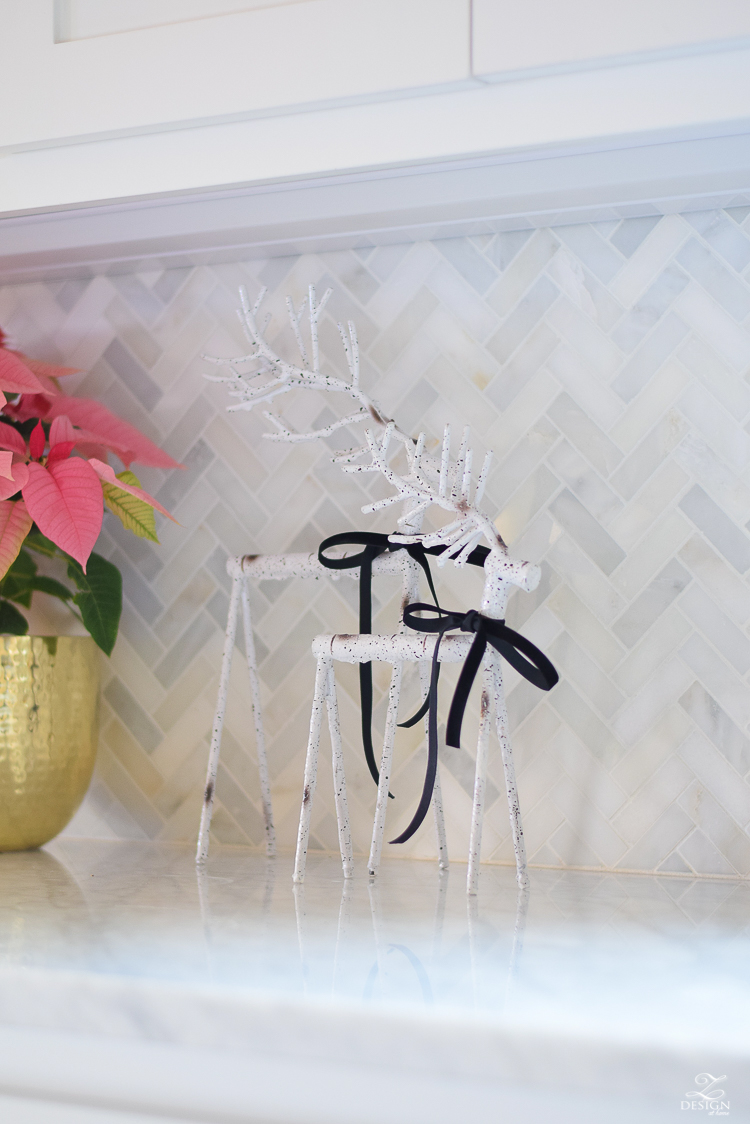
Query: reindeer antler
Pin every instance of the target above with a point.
(280, 376)
(445, 483)
(449, 488)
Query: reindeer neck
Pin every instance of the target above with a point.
(497, 583)
(412, 525)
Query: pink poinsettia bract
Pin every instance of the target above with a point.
(59, 472)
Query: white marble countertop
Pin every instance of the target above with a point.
(134, 990)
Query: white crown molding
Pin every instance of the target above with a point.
(436, 200)
(657, 137)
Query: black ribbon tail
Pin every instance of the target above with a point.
(464, 685)
(365, 669)
(423, 708)
(375, 544)
(418, 553)
(365, 692)
(432, 754)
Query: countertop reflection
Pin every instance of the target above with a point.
(621, 955)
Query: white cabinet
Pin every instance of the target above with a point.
(539, 36)
(85, 19)
(105, 78)
(241, 127)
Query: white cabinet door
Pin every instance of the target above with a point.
(76, 69)
(84, 19)
(512, 36)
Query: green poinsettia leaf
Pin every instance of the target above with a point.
(99, 598)
(51, 586)
(134, 514)
(24, 564)
(20, 592)
(35, 540)
(11, 621)
(22, 581)
(16, 583)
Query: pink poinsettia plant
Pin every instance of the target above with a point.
(54, 482)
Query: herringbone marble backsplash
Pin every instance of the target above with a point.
(608, 366)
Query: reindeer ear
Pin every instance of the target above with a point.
(532, 575)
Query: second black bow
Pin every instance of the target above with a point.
(520, 653)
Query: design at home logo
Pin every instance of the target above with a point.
(707, 1096)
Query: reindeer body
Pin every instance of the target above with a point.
(408, 647)
(280, 567)
(285, 376)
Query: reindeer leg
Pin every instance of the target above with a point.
(480, 779)
(260, 737)
(437, 807)
(339, 780)
(218, 726)
(311, 768)
(501, 718)
(378, 827)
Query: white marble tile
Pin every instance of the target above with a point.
(657, 495)
(586, 338)
(662, 640)
(586, 626)
(728, 440)
(654, 748)
(720, 778)
(656, 397)
(521, 273)
(585, 578)
(727, 489)
(658, 248)
(716, 326)
(729, 691)
(730, 591)
(717, 377)
(665, 786)
(651, 554)
(640, 714)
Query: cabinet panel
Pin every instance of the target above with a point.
(542, 34)
(224, 67)
(85, 19)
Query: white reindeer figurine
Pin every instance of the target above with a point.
(458, 540)
(255, 379)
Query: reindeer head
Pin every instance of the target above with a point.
(448, 486)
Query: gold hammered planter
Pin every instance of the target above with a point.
(49, 711)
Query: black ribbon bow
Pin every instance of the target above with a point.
(376, 544)
(520, 653)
